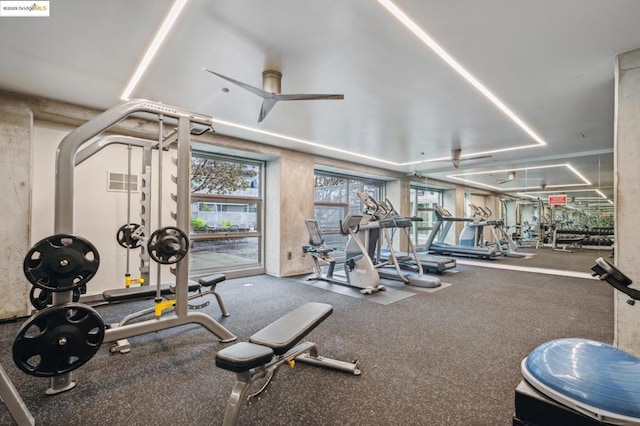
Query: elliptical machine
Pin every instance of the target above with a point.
(358, 267)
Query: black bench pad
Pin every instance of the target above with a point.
(141, 292)
(243, 356)
(210, 280)
(284, 333)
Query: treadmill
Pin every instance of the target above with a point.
(429, 263)
(409, 259)
(440, 230)
(503, 242)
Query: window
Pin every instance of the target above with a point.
(423, 203)
(335, 197)
(226, 213)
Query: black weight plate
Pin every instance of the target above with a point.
(40, 298)
(124, 235)
(168, 245)
(61, 263)
(58, 340)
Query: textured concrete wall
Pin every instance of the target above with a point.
(290, 185)
(627, 197)
(15, 163)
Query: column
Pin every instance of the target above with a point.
(15, 162)
(627, 194)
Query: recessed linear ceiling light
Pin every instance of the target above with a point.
(445, 56)
(344, 151)
(301, 141)
(560, 191)
(153, 47)
(600, 193)
(502, 189)
(474, 154)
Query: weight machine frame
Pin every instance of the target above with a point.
(12, 399)
(66, 159)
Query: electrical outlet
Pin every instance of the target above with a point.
(288, 255)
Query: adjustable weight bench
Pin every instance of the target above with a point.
(270, 348)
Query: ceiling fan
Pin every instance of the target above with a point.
(456, 158)
(511, 176)
(270, 92)
(543, 185)
(456, 154)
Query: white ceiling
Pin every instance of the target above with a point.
(551, 62)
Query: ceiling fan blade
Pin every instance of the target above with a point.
(456, 161)
(302, 97)
(267, 104)
(256, 91)
(511, 177)
(272, 81)
(475, 158)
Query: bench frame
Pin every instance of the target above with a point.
(306, 352)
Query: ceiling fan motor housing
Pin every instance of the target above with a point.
(271, 81)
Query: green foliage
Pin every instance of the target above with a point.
(594, 219)
(197, 223)
(324, 181)
(225, 223)
(330, 188)
(211, 176)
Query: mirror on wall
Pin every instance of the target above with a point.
(564, 228)
(558, 213)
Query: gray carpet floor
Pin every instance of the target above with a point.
(450, 357)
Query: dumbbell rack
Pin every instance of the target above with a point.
(64, 208)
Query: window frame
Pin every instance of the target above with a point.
(428, 227)
(346, 204)
(258, 201)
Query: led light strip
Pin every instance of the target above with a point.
(301, 141)
(153, 47)
(600, 193)
(178, 6)
(499, 189)
(444, 55)
(474, 154)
